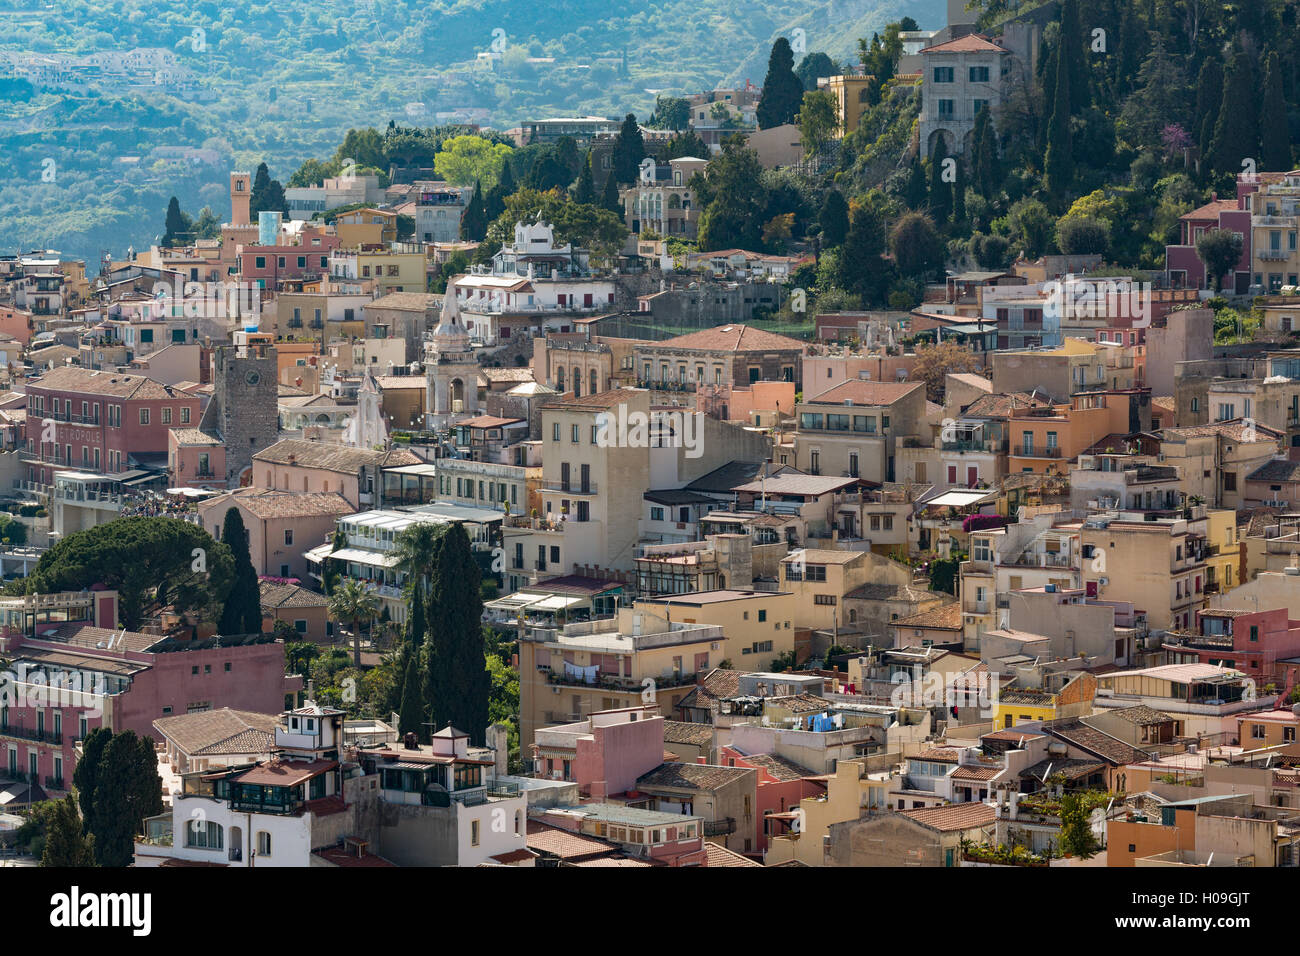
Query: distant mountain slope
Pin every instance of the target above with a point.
(283, 82)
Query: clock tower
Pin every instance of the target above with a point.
(244, 410)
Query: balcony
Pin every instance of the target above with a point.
(1273, 255)
(1030, 451)
(719, 827)
(987, 445)
(54, 783)
(36, 736)
(570, 487)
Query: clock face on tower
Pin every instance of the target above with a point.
(252, 378)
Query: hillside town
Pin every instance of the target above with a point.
(605, 513)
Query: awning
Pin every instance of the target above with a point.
(318, 554)
(556, 602)
(425, 470)
(957, 499)
(377, 558)
(516, 601)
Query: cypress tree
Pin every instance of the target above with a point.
(65, 844)
(459, 678)
(585, 192)
(495, 204)
(1236, 133)
(1275, 146)
(128, 789)
(959, 197)
(915, 191)
(1058, 162)
(862, 269)
(985, 175)
(782, 89)
(1071, 44)
(242, 613)
(940, 199)
(85, 777)
(609, 197)
(834, 218)
(1209, 94)
(629, 150)
(177, 223)
(473, 225)
(411, 717)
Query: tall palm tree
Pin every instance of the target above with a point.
(417, 552)
(354, 601)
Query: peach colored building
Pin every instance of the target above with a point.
(281, 525)
(1043, 440)
(758, 404)
(195, 459)
(292, 464)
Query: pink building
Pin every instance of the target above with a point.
(782, 784)
(72, 672)
(757, 404)
(1184, 269)
(604, 754)
(1254, 642)
(195, 459)
(270, 265)
(79, 418)
(16, 322)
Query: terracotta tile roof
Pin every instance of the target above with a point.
(489, 421)
(692, 776)
(565, 844)
(719, 855)
(1000, 405)
(975, 772)
(954, 816)
(1237, 430)
(717, 685)
(696, 735)
(514, 856)
(970, 43)
(285, 773)
(731, 338)
(268, 503)
(1211, 210)
(864, 393)
(276, 595)
(946, 617)
(1141, 715)
(611, 399)
(779, 767)
(795, 483)
(195, 436)
(219, 731)
(330, 457)
(396, 382)
(1113, 751)
(1073, 768)
(110, 384)
(941, 754)
(1279, 469)
(613, 861)
(506, 374)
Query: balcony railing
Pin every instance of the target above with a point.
(570, 487)
(37, 736)
(1031, 451)
(54, 783)
(719, 827)
(1274, 255)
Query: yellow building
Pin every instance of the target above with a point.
(1074, 699)
(366, 227)
(851, 99)
(631, 660)
(849, 791)
(758, 626)
(1222, 552)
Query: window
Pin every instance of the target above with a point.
(473, 833)
(144, 416)
(943, 74)
(946, 110)
(288, 536)
(555, 431)
(263, 843)
(185, 416)
(979, 74)
(203, 837)
(573, 434)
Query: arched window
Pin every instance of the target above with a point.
(595, 382)
(559, 378)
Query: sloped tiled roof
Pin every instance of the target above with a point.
(946, 617)
(680, 732)
(223, 731)
(1110, 749)
(331, 457)
(970, 43)
(955, 816)
(865, 393)
(1279, 469)
(272, 503)
(1000, 405)
(277, 595)
(779, 767)
(692, 776)
(732, 338)
(719, 855)
(717, 685)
